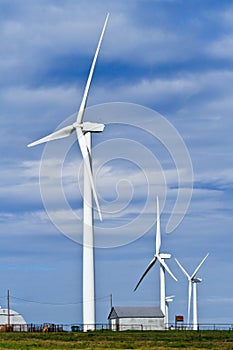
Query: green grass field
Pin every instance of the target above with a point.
(119, 340)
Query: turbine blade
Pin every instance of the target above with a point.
(195, 272)
(87, 162)
(153, 261)
(88, 84)
(182, 269)
(158, 232)
(60, 134)
(162, 262)
(189, 299)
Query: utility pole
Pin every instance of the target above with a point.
(8, 307)
(110, 302)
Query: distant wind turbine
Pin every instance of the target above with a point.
(163, 266)
(84, 131)
(168, 300)
(192, 288)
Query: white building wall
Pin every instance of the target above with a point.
(16, 320)
(123, 324)
(114, 324)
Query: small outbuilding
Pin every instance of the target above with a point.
(17, 321)
(122, 318)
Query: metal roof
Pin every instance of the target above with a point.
(135, 311)
(15, 317)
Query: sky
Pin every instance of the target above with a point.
(163, 87)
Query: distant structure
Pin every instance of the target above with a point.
(168, 300)
(163, 266)
(12, 318)
(192, 289)
(122, 318)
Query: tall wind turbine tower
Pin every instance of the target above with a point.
(163, 266)
(192, 289)
(83, 131)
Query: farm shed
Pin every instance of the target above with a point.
(16, 320)
(123, 318)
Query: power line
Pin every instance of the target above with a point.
(55, 304)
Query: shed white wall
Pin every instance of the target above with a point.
(123, 324)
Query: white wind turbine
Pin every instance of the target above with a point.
(83, 131)
(192, 288)
(168, 300)
(163, 266)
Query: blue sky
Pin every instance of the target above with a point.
(174, 57)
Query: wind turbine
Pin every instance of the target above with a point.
(84, 131)
(168, 300)
(192, 288)
(163, 266)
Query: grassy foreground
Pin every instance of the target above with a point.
(119, 340)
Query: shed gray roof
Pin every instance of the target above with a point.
(135, 311)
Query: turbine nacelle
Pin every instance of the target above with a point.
(165, 256)
(196, 280)
(169, 299)
(91, 127)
